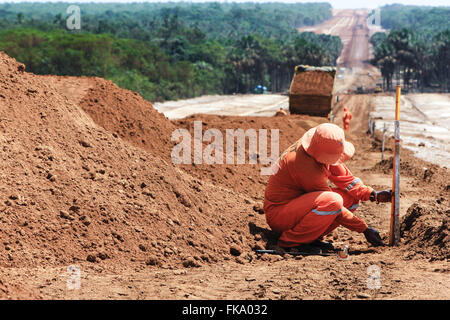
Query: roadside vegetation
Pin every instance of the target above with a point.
(170, 51)
(417, 48)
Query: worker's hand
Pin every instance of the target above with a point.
(384, 196)
(381, 196)
(373, 237)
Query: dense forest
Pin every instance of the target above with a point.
(417, 48)
(171, 50)
(418, 18)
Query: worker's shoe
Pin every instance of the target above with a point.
(305, 248)
(325, 246)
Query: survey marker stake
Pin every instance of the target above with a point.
(384, 139)
(394, 235)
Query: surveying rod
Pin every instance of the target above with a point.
(394, 235)
(384, 138)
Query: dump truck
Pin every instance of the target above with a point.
(311, 90)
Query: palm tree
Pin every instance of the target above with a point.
(442, 57)
(384, 59)
(251, 64)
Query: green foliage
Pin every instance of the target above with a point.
(417, 47)
(218, 20)
(426, 20)
(170, 50)
(420, 63)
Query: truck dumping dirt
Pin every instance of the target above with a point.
(311, 90)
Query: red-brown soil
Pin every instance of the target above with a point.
(72, 191)
(87, 180)
(315, 83)
(246, 178)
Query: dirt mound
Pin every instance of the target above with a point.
(128, 116)
(425, 229)
(424, 172)
(246, 178)
(133, 119)
(73, 191)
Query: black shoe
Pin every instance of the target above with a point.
(306, 248)
(325, 246)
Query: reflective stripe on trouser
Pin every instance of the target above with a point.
(310, 216)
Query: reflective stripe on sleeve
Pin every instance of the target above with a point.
(352, 184)
(353, 207)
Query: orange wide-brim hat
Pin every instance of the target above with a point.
(326, 144)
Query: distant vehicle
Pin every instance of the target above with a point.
(378, 88)
(360, 90)
(342, 69)
(259, 89)
(340, 76)
(311, 90)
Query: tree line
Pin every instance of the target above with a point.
(417, 48)
(171, 51)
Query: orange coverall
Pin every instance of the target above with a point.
(300, 205)
(346, 119)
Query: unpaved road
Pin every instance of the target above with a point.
(351, 26)
(354, 69)
(425, 123)
(241, 105)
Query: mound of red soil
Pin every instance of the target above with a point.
(133, 119)
(425, 173)
(245, 178)
(425, 229)
(74, 191)
(129, 116)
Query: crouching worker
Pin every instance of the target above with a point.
(298, 201)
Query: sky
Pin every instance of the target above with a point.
(338, 4)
